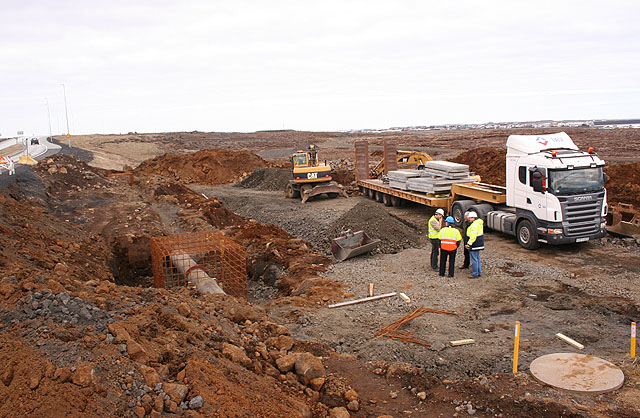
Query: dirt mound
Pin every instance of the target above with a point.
(372, 218)
(267, 178)
(204, 167)
(623, 183)
(489, 163)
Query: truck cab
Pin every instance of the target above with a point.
(555, 191)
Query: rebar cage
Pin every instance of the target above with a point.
(183, 259)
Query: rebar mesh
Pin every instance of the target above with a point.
(185, 259)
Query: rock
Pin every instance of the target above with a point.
(151, 377)
(139, 411)
(62, 170)
(158, 404)
(7, 375)
(385, 416)
(282, 342)
(286, 363)
(83, 375)
(176, 391)
(437, 346)
(196, 402)
(235, 354)
(181, 374)
(353, 406)
(309, 367)
(136, 351)
(316, 384)
(184, 309)
(351, 395)
(61, 269)
(393, 395)
(62, 375)
(422, 395)
(34, 380)
(170, 406)
(340, 412)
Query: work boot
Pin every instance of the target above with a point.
(463, 267)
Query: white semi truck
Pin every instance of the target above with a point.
(554, 192)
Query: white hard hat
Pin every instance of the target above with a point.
(473, 215)
(440, 212)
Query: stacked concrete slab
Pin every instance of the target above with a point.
(436, 178)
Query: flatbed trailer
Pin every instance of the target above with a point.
(469, 193)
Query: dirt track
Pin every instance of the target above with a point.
(88, 231)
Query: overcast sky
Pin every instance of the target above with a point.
(240, 65)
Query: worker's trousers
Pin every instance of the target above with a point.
(451, 255)
(435, 247)
(476, 267)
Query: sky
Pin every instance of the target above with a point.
(245, 65)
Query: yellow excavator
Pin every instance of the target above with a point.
(416, 158)
(310, 177)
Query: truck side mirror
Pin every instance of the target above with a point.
(536, 182)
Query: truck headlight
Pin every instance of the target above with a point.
(554, 231)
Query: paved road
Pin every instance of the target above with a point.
(39, 147)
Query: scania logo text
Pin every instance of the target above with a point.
(581, 198)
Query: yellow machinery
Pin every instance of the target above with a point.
(417, 158)
(310, 177)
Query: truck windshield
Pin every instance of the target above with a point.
(581, 180)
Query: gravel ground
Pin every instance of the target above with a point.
(585, 291)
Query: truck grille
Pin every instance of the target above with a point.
(581, 214)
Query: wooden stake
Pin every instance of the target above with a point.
(462, 342)
(353, 302)
(370, 289)
(570, 341)
(516, 347)
(633, 340)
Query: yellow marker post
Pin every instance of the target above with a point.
(516, 345)
(633, 340)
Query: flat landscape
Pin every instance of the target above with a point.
(84, 332)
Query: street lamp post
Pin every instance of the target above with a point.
(49, 118)
(66, 113)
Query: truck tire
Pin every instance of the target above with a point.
(371, 194)
(527, 235)
(482, 209)
(379, 196)
(386, 199)
(458, 209)
(290, 192)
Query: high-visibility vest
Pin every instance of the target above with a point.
(475, 232)
(449, 238)
(433, 233)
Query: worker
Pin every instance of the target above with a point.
(450, 239)
(435, 225)
(475, 243)
(465, 225)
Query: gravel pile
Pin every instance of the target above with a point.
(372, 218)
(267, 178)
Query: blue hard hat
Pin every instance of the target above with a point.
(450, 220)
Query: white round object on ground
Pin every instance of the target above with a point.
(577, 373)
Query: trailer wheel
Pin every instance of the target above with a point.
(527, 235)
(371, 194)
(396, 202)
(458, 209)
(379, 196)
(386, 199)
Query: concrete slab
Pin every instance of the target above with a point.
(580, 373)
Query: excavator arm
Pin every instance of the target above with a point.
(404, 157)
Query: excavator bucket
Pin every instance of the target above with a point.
(332, 189)
(623, 219)
(352, 244)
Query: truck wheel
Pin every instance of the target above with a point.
(527, 235)
(290, 192)
(482, 209)
(379, 196)
(458, 209)
(371, 194)
(386, 199)
(396, 202)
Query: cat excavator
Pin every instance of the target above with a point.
(311, 177)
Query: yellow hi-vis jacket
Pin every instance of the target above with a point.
(434, 227)
(449, 238)
(475, 232)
